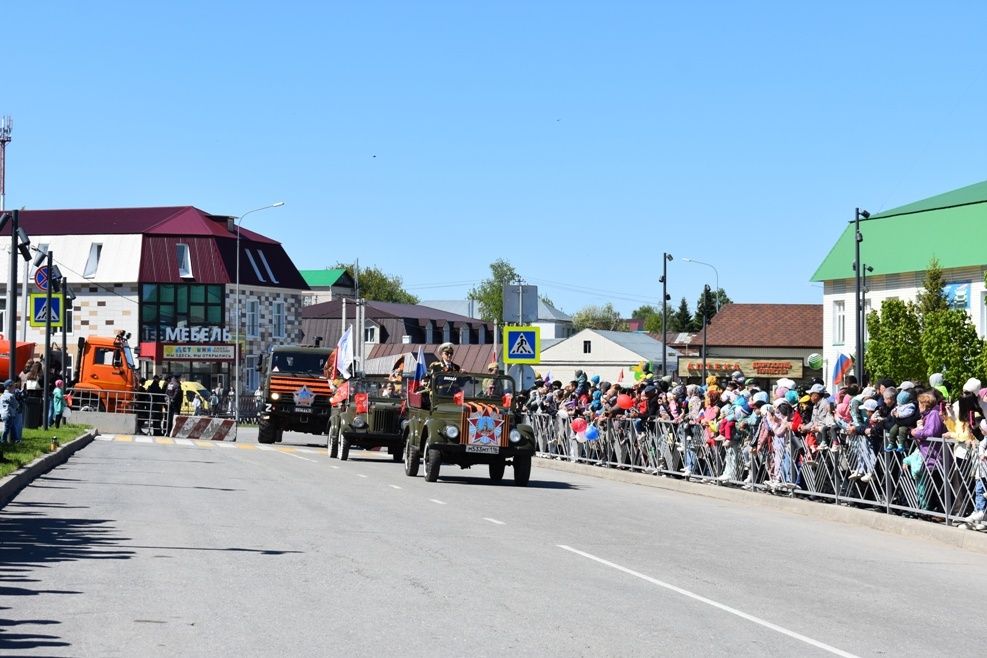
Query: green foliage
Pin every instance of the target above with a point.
(950, 345)
(644, 312)
(932, 298)
(894, 348)
(545, 299)
(377, 286)
(682, 319)
(707, 302)
(598, 317)
(490, 292)
(36, 443)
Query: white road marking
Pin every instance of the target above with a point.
(710, 602)
(184, 442)
(260, 447)
(493, 521)
(298, 456)
(109, 437)
(437, 502)
(307, 451)
(394, 486)
(224, 444)
(143, 439)
(360, 475)
(335, 467)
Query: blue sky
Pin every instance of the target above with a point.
(577, 140)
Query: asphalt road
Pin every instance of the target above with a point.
(163, 549)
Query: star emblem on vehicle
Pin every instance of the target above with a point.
(304, 397)
(485, 428)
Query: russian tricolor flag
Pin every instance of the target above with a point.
(420, 371)
(844, 364)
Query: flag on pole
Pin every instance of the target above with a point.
(844, 364)
(416, 383)
(344, 353)
(548, 378)
(620, 377)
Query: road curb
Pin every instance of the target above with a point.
(12, 484)
(951, 536)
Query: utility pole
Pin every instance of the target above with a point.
(46, 394)
(6, 126)
(705, 324)
(859, 295)
(666, 257)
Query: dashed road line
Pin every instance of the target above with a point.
(360, 475)
(105, 438)
(437, 502)
(185, 442)
(308, 451)
(394, 486)
(295, 456)
(334, 466)
(711, 602)
(265, 448)
(143, 439)
(224, 444)
(493, 521)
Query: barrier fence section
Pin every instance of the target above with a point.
(937, 482)
(151, 409)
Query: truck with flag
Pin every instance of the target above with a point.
(297, 392)
(466, 419)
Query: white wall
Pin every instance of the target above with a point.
(606, 358)
(119, 260)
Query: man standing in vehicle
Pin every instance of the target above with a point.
(445, 362)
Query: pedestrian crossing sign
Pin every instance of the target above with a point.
(39, 309)
(522, 344)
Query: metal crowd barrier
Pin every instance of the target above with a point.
(941, 487)
(151, 409)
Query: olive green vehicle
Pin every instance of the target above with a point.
(467, 419)
(369, 417)
(296, 393)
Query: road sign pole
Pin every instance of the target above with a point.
(46, 395)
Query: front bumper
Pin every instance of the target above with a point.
(457, 453)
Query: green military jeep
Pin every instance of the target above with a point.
(367, 417)
(467, 419)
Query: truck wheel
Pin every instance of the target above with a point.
(397, 455)
(278, 436)
(333, 442)
(522, 470)
(265, 433)
(433, 460)
(497, 470)
(344, 448)
(412, 457)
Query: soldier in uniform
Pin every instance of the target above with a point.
(445, 362)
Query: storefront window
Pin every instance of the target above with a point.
(168, 305)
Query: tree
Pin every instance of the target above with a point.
(894, 345)
(932, 298)
(547, 300)
(644, 312)
(682, 319)
(950, 345)
(377, 286)
(598, 317)
(710, 303)
(490, 292)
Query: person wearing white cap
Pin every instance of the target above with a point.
(866, 460)
(823, 422)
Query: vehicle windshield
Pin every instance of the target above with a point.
(129, 355)
(472, 387)
(375, 387)
(298, 362)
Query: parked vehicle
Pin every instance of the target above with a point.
(106, 374)
(468, 419)
(366, 416)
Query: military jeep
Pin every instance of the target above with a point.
(366, 417)
(467, 419)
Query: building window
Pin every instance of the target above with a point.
(184, 261)
(253, 318)
(839, 322)
(267, 266)
(464, 335)
(169, 305)
(92, 263)
(429, 333)
(68, 317)
(483, 335)
(251, 378)
(279, 319)
(253, 264)
(3, 314)
(587, 347)
(370, 334)
(447, 333)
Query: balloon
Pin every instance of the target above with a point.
(814, 361)
(578, 425)
(581, 437)
(625, 401)
(592, 434)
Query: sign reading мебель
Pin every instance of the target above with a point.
(199, 352)
(723, 367)
(522, 344)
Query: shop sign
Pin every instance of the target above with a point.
(198, 352)
(196, 335)
(723, 367)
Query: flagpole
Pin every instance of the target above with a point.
(496, 353)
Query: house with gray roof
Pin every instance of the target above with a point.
(605, 353)
(553, 322)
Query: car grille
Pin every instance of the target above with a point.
(386, 421)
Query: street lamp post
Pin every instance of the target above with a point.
(716, 275)
(666, 257)
(859, 294)
(236, 319)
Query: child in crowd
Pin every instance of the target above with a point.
(904, 416)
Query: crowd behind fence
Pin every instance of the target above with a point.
(854, 470)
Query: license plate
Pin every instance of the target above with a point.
(484, 450)
(303, 410)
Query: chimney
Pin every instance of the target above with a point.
(231, 224)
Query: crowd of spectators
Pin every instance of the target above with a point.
(741, 418)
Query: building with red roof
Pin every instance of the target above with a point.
(168, 276)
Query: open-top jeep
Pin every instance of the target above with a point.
(467, 419)
(367, 416)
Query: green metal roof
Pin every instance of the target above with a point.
(951, 227)
(322, 278)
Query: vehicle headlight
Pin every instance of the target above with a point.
(359, 422)
(275, 396)
(452, 431)
(514, 436)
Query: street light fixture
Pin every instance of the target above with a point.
(858, 237)
(716, 274)
(666, 259)
(236, 320)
